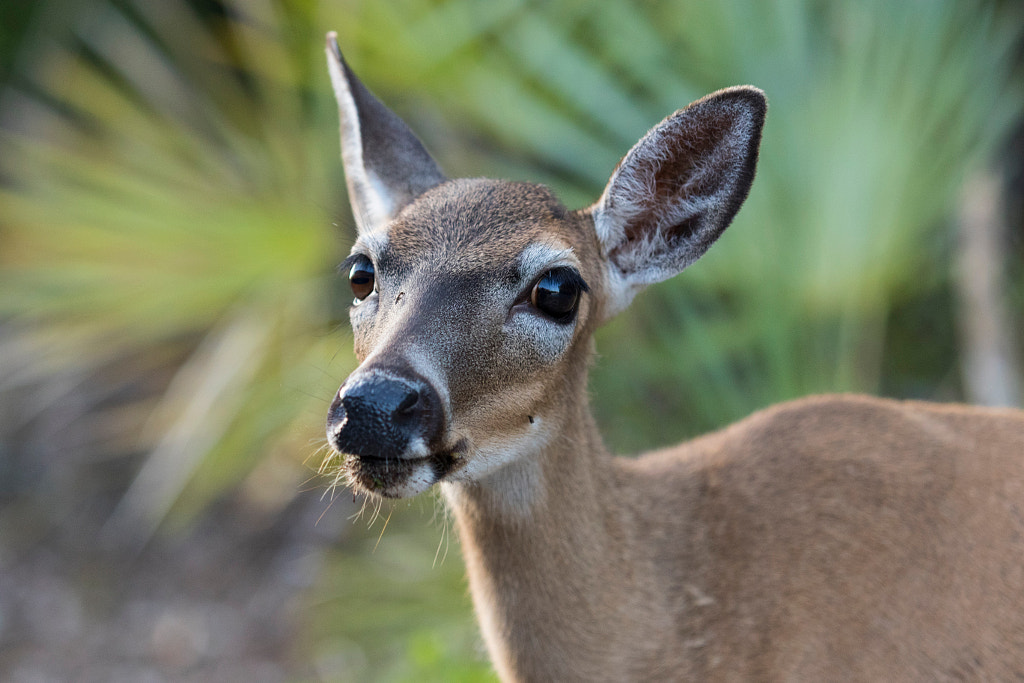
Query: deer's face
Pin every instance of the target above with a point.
(466, 312)
(474, 299)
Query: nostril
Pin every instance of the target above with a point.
(408, 405)
(379, 416)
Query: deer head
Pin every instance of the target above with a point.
(475, 300)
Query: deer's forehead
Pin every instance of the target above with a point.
(478, 225)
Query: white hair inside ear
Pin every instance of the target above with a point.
(677, 190)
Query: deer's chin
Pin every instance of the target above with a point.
(401, 477)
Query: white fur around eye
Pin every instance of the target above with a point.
(540, 257)
(530, 334)
(529, 331)
(369, 245)
(364, 310)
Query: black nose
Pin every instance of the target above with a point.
(379, 416)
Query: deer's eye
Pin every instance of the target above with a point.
(557, 294)
(361, 278)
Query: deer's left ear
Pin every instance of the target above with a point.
(386, 166)
(677, 190)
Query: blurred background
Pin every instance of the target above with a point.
(172, 209)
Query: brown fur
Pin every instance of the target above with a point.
(835, 538)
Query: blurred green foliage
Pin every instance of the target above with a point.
(394, 607)
(171, 188)
(14, 17)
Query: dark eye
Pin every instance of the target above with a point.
(361, 278)
(557, 294)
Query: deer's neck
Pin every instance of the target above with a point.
(547, 548)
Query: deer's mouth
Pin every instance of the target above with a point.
(396, 477)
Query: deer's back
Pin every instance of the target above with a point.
(852, 537)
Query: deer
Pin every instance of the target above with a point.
(834, 537)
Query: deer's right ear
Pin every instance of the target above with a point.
(386, 166)
(677, 190)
